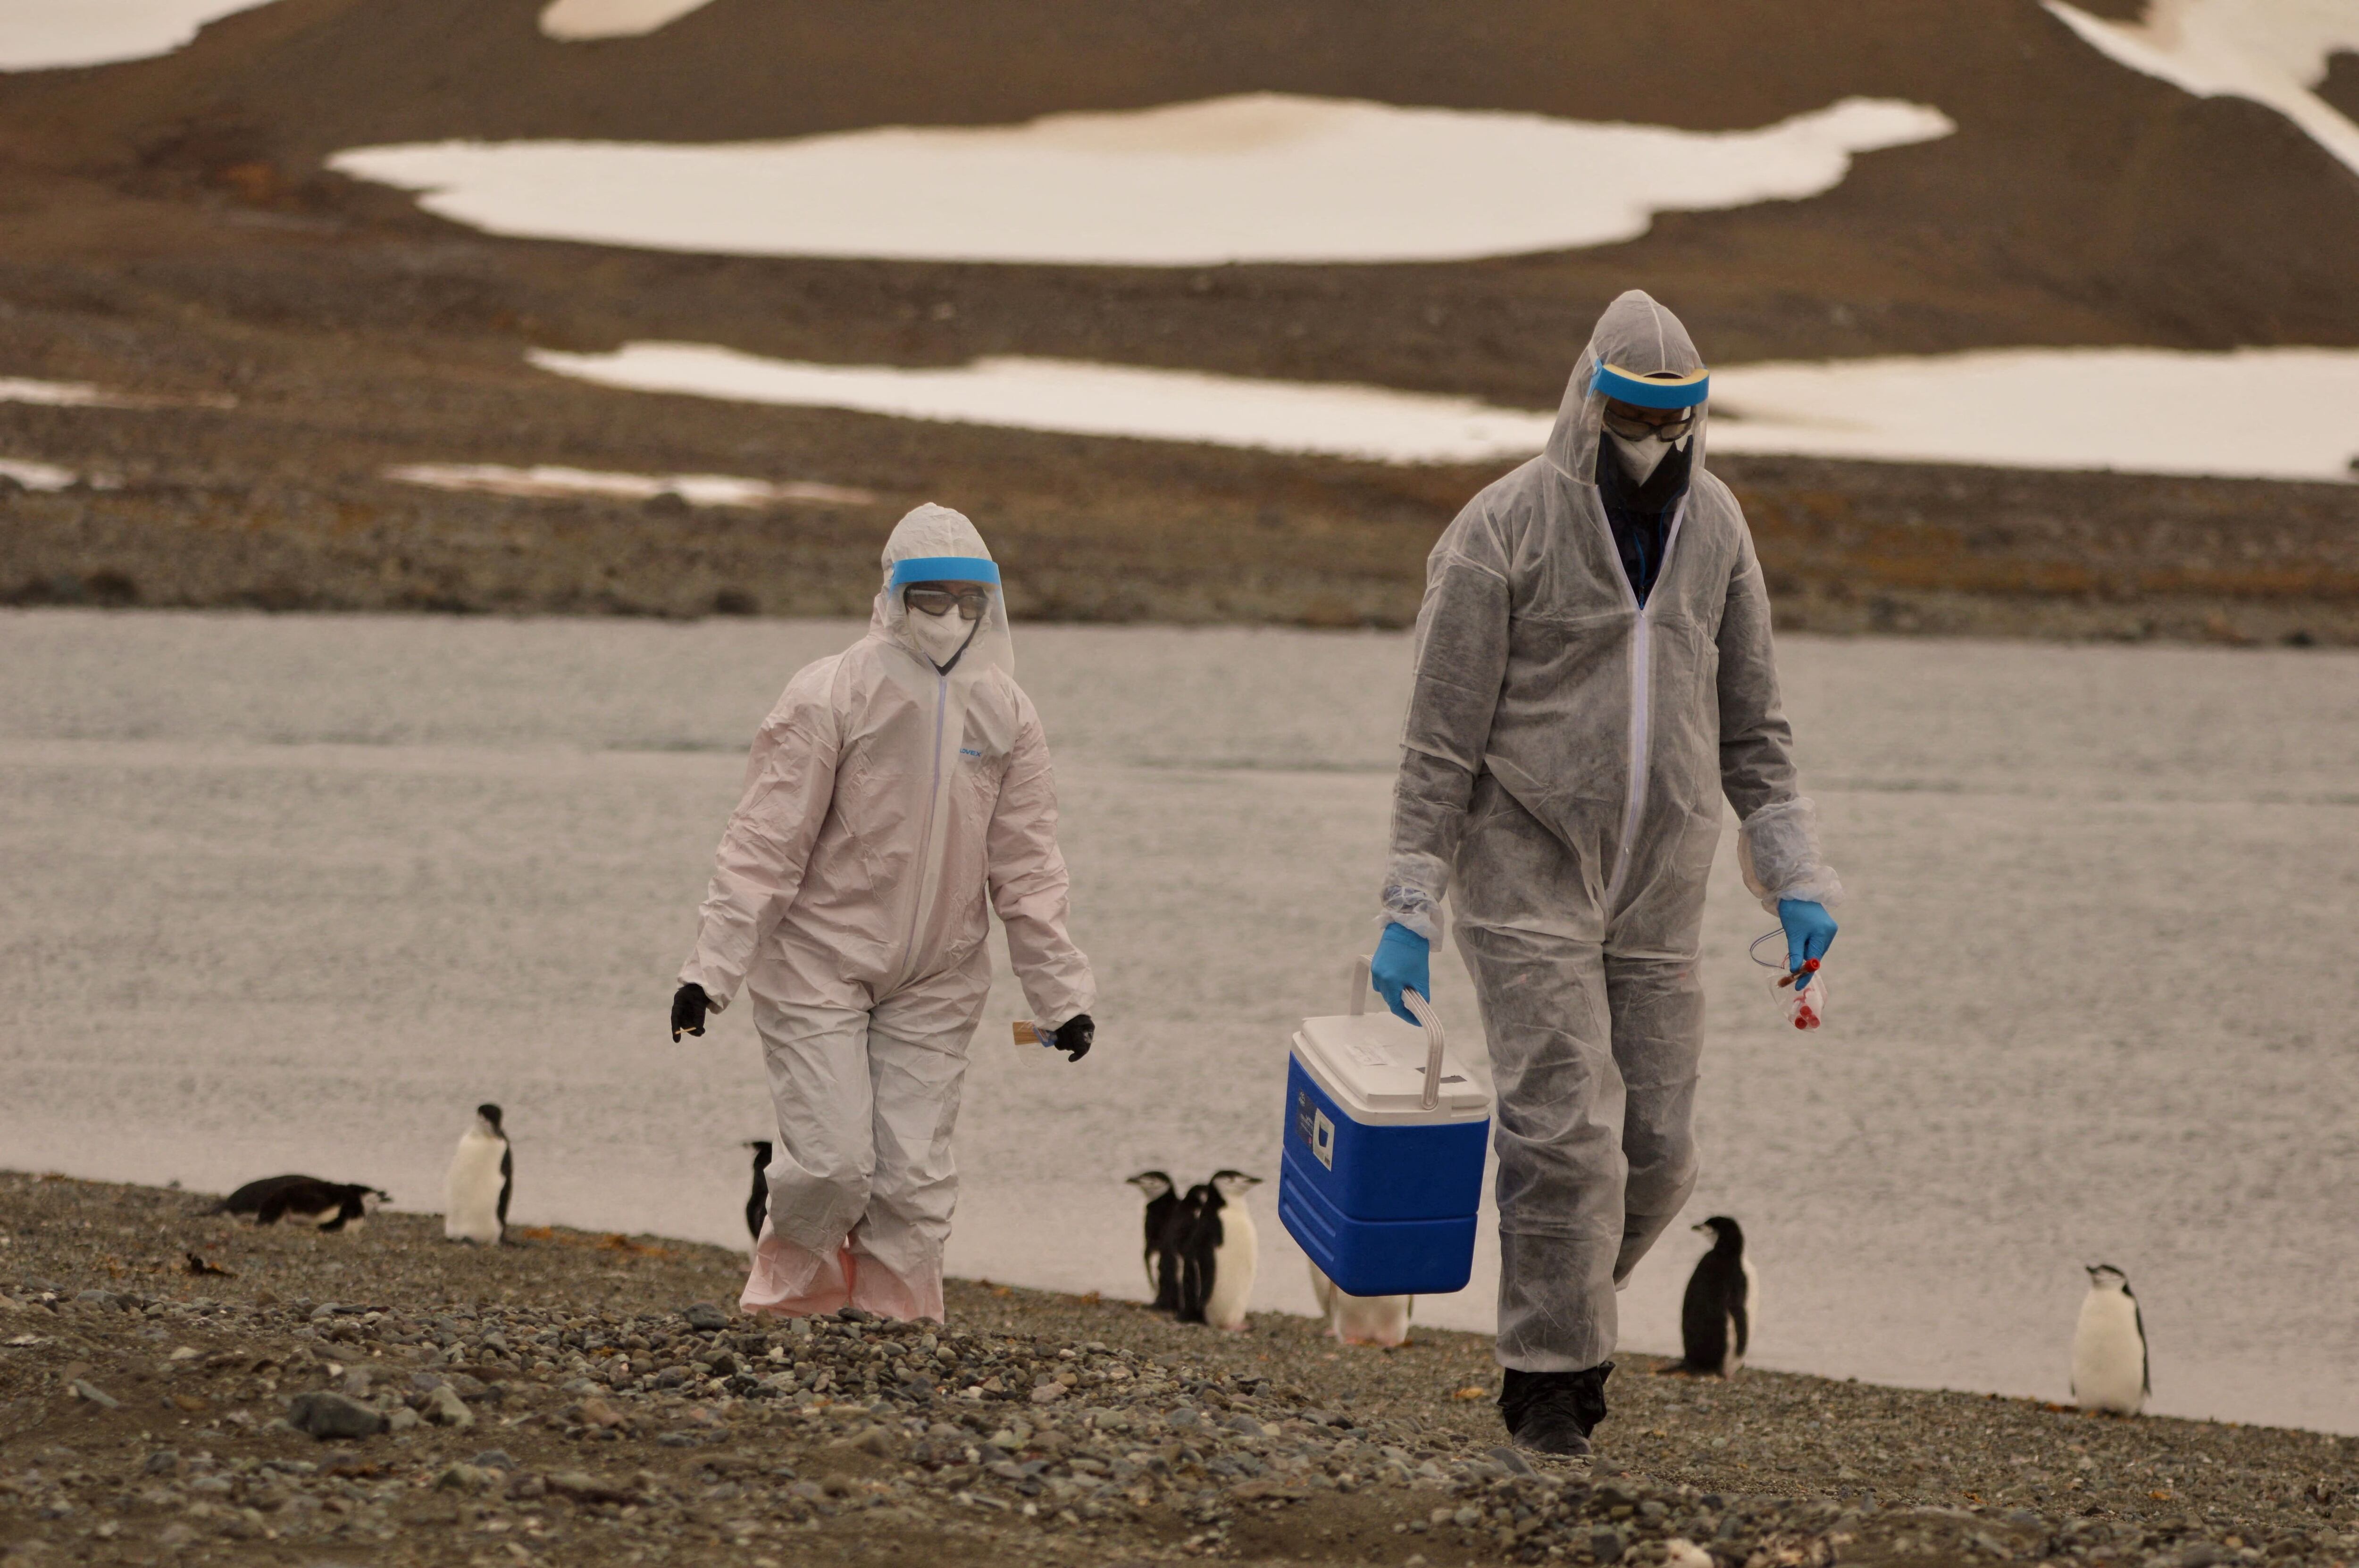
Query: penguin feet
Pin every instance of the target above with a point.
(1554, 1412)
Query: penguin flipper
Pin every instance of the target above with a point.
(507, 1180)
(2146, 1356)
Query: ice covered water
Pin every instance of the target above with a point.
(295, 893)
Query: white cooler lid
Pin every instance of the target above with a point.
(1373, 1065)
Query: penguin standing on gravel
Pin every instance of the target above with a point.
(1225, 1248)
(1717, 1316)
(758, 1204)
(2110, 1371)
(482, 1174)
(1166, 1235)
(1361, 1320)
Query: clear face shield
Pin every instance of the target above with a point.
(943, 604)
(1649, 416)
(944, 617)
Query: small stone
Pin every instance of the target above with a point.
(704, 1316)
(595, 1411)
(325, 1415)
(163, 1462)
(95, 1394)
(1513, 1462)
(444, 1408)
(1047, 1393)
(494, 1459)
(401, 1418)
(463, 1478)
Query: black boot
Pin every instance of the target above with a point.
(1554, 1412)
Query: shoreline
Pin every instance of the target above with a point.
(584, 1398)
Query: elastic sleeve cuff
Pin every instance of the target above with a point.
(1777, 850)
(1415, 908)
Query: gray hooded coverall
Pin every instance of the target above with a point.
(1560, 777)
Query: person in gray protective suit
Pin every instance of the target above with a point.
(1594, 670)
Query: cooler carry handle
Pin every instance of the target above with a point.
(1428, 1020)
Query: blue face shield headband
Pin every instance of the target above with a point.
(943, 568)
(1685, 391)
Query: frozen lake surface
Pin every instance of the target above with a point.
(296, 893)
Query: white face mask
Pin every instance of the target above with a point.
(1641, 459)
(939, 638)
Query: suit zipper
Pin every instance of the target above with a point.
(925, 843)
(1642, 664)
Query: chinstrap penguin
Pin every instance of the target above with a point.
(482, 1174)
(306, 1200)
(1229, 1247)
(1718, 1313)
(757, 1203)
(1166, 1235)
(1189, 1224)
(1361, 1320)
(2109, 1371)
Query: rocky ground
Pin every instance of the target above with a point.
(384, 1397)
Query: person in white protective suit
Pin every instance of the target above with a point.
(898, 794)
(1594, 671)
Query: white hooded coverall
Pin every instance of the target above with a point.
(889, 808)
(1561, 777)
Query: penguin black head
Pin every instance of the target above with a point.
(1726, 1235)
(1234, 1183)
(490, 1113)
(1154, 1184)
(2105, 1277)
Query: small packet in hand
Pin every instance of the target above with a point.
(1805, 1006)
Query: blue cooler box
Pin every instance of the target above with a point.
(1380, 1190)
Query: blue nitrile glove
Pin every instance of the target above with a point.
(1401, 960)
(1810, 932)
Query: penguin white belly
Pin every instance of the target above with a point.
(1324, 1291)
(1370, 1319)
(471, 1199)
(1234, 1261)
(1736, 1352)
(2109, 1355)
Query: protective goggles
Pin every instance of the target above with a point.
(1631, 424)
(1679, 394)
(936, 598)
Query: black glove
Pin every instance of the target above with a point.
(689, 1006)
(1074, 1037)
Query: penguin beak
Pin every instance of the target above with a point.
(1700, 1229)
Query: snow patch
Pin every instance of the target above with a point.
(44, 34)
(1078, 398)
(2140, 410)
(2272, 51)
(83, 395)
(35, 476)
(696, 488)
(1260, 177)
(577, 21)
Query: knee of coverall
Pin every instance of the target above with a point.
(1658, 1007)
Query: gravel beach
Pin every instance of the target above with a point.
(383, 1395)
